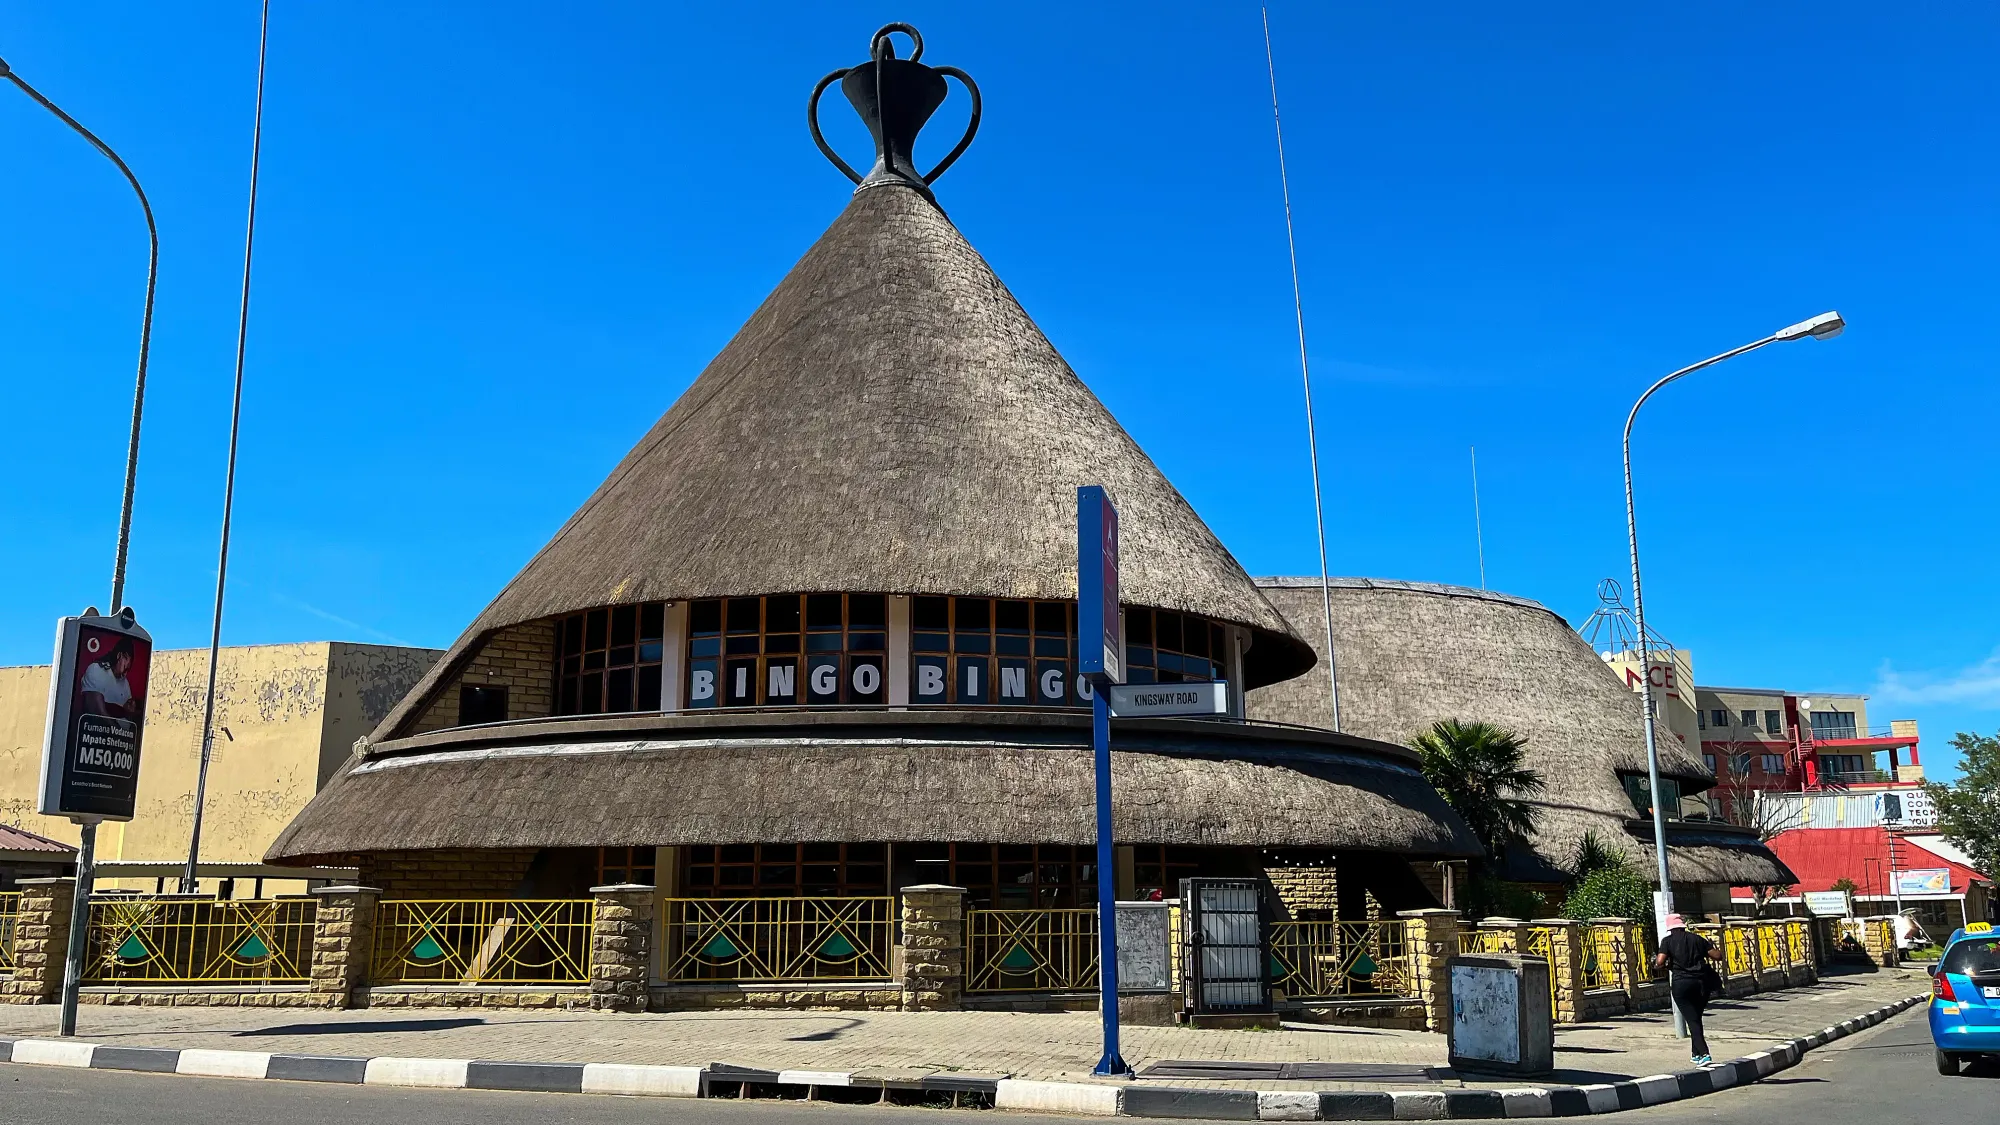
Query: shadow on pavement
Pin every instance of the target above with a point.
(362, 1027)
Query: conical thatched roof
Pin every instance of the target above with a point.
(889, 420)
(1412, 653)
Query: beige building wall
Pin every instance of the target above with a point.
(286, 716)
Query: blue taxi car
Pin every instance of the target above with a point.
(1965, 997)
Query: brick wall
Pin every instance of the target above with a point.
(447, 873)
(522, 658)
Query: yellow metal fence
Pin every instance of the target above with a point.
(1771, 952)
(1604, 947)
(1030, 950)
(1355, 960)
(778, 939)
(10, 911)
(482, 941)
(1797, 942)
(1485, 941)
(168, 941)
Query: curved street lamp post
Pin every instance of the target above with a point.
(1825, 326)
(87, 831)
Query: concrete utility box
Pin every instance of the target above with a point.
(1501, 1014)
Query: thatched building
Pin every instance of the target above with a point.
(1412, 653)
(815, 634)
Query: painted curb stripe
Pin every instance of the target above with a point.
(643, 1081)
(1528, 1101)
(1287, 1105)
(1419, 1105)
(548, 1078)
(155, 1059)
(388, 1070)
(1473, 1104)
(1693, 1083)
(52, 1052)
(223, 1064)
(1356, 1105)
(317, 1068)
(1175, 1101)
(815, 1078)
(1568, 1101)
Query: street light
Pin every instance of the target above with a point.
(1825, 326)
(86, 854)
(145, 330)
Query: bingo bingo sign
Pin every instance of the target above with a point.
(97, 717)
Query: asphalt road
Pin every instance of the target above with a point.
(1883, 1076)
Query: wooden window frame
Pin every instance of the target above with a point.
(590, 654)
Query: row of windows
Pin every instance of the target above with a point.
(1739, 764)
(1719, 718)
(785, 650)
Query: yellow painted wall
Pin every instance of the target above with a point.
(294, 710)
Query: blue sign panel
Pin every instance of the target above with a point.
(1100, 631)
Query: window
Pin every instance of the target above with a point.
(1720, 718)
(1701, 718)
(1159, 867)
(1636, 788)
(1739, 764)
(1750, 720)
(1773, 764)
(610, 660)
(1022, 876)
(1833, 724)
(625, 865)
(784, 870)
(1165, 647)
(1003, 651)
(787, 649)
(479, 703)
(1709, 761)
(1774, 722)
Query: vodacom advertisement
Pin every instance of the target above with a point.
(97, 717)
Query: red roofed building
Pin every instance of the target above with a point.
(1938, 885)
(24, 855)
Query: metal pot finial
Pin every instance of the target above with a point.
(895, 98)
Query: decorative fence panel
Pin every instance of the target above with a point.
(1797, 946)
(1032, 950)
(1649, 949)
(778, 939)
(482, 941)
(1604, 949)
(175, 941)
(1350, 960)
(1540, 941)
(10, 910)
(1486, 941)
(1770, 947)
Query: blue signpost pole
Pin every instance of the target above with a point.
(1113, 1062)
(1100, 663)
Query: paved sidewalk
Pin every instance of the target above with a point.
(1057, 1046)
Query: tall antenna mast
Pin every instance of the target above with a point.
(1478, 533)
(1305, 376)
(188, 877)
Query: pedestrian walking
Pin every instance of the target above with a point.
(1687, 954)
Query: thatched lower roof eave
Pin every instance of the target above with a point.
(657, 792)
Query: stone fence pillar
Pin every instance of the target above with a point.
(1565, 967)
(931, 951)
(621, 947)
(1514, 932)
(41, 941)
(1431, 936)
(343, 942)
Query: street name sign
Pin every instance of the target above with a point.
(1134, 701)
(1100, 627)
(96, 718)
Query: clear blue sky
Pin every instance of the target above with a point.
(498, 240)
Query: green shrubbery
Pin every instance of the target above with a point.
(1606, 885)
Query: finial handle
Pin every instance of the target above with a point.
(894, 97)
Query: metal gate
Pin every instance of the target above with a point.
(1227, 962)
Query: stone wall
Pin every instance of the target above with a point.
(520, 658)
(1301, 889)
(41, 941)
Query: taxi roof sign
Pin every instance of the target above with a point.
(1978, 928)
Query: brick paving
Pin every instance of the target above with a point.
(1051, 1045)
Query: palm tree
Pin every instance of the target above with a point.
(1477, 768)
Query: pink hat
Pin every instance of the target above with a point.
(1674, 922)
